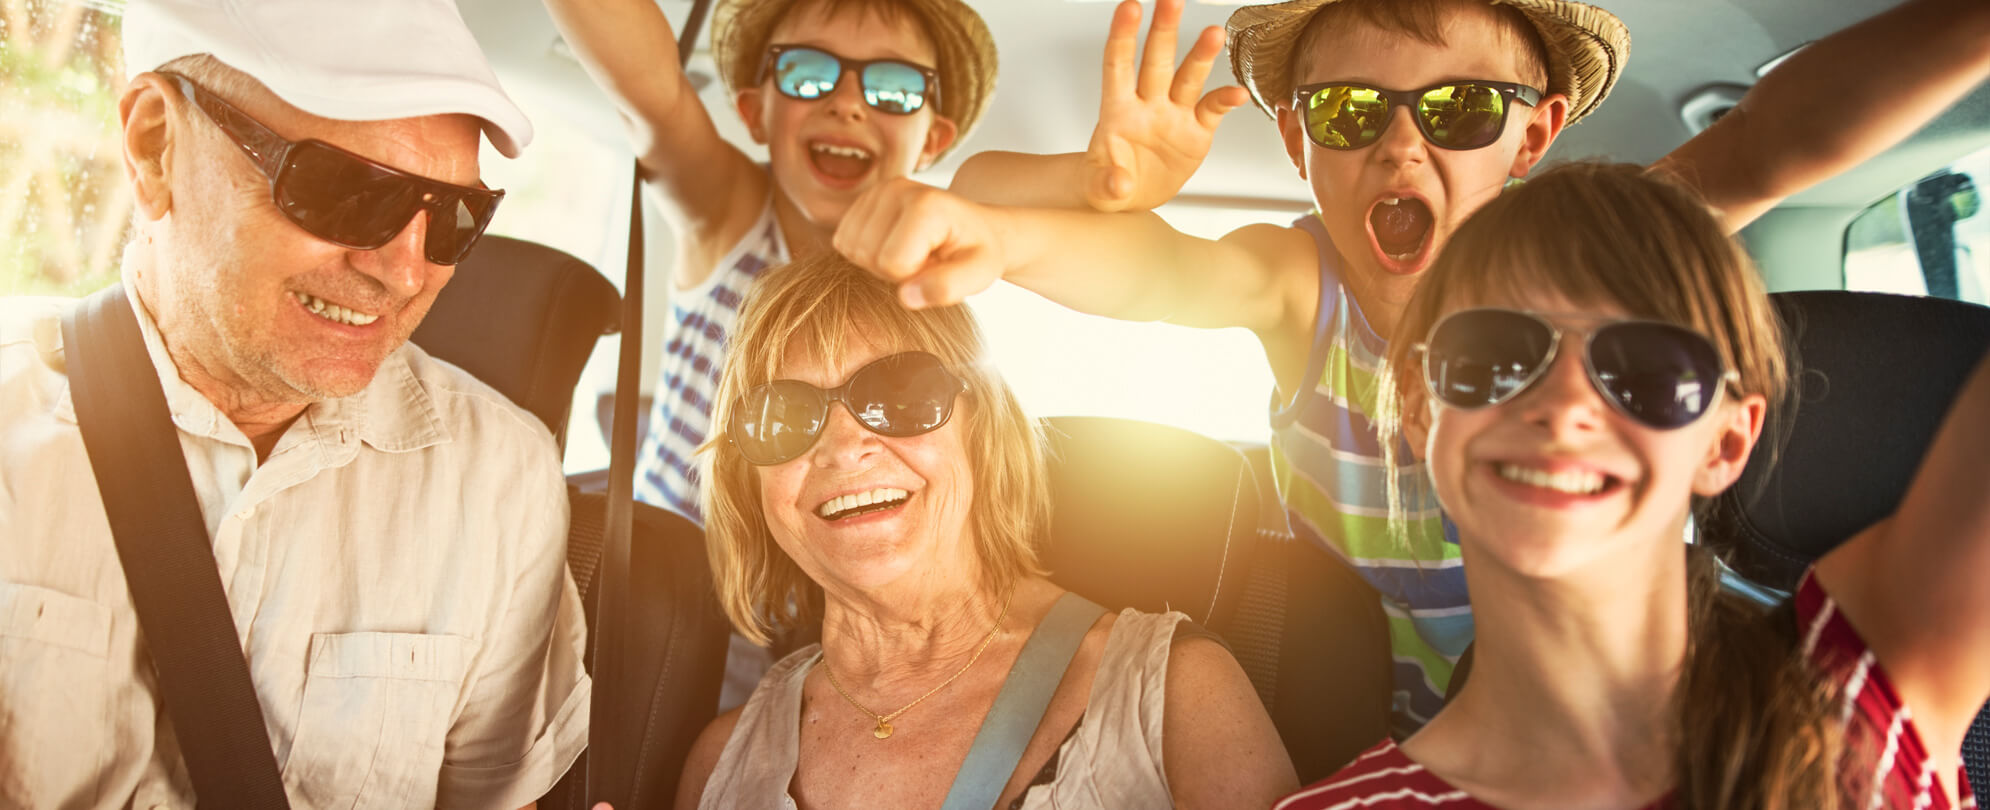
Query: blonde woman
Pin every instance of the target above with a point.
(870, 470)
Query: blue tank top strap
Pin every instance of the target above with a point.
(1285, 404)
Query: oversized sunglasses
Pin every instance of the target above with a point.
(1662, 375)
(890, 86)
(346, 199)
(898, 395)
(1453, 115)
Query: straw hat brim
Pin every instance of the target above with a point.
(1587, 49)
(742, 30)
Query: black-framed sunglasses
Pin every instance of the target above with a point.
(346, 199)
(1452, 115)
(1663, 375)
(899, 395)
(892, 86)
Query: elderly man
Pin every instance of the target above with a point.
(388, 531)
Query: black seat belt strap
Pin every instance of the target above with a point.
(168, 560)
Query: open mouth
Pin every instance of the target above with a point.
(1400, 228)
(843, 507)
(333, 312)
(839, 161)
(1568, 482)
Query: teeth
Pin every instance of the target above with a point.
(842, 151)
(333, 312)
(1574, 482)
(1392, 200)
(857, 500)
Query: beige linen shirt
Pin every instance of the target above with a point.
(396, 570)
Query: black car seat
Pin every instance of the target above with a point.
(1877, 374)
(523, 318)
(1157, 518)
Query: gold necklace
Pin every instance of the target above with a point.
(883, 729)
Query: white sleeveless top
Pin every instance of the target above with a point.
(1113, 760)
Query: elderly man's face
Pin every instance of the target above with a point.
(270, 310)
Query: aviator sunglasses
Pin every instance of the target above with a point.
(898, 395)
(890, 86)
(1453, 115)
(1662, 375)
(346, 199)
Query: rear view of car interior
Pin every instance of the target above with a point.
(1164, 499)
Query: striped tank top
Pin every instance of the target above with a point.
(694, 351)
(1333, 480)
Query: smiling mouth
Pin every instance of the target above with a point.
(1401, 226)
(840, 162)
(862, 503)
(333, 312)
(1570, 482)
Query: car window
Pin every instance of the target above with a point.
(1930, 237)
(64, 205)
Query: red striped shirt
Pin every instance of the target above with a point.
(1884, 752)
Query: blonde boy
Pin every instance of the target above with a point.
(1391, 182)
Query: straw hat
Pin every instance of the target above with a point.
(1587, 48)
(742, 30)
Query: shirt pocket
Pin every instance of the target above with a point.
(55, 695)
(374, 720)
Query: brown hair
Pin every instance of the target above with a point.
(1751, 716)
(1422, 20)
(817, 306)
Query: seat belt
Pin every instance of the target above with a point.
(167, 556)
(1019, 707)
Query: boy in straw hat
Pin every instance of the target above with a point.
(1403, 116)
(845, 94)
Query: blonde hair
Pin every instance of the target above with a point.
(1752, 718)
(817, 306)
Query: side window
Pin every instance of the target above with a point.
(64, 205)
(1931, 237)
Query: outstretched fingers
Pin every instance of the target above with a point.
(1117, 77)
(1219, 103)
(1196, 66)
(1157, 62)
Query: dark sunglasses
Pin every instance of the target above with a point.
(1453, 115)
(346, 199)
(898, 395)
(890, 86)
(1662, 375)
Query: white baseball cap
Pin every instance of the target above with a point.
(351, 60)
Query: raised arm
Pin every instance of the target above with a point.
(629, 49)
(1835, 104)
(1155, 127)
(1913, 583)
(941, 247)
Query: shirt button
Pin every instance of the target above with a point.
(246, 513)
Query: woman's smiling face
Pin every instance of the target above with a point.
(1557, 479)
(926, 480)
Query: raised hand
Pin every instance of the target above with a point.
(1154, 126)
(936, 245)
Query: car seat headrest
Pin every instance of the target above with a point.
(1149, 516)
(1873, 377)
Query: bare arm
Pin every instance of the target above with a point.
(703, 759)
(1836, 104)
(1913, 583)
(1217, 744)
(1155, 127)
(628, 47)
(941, 248)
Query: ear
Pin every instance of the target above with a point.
(1735, 435)
(1544, 125)
(1418, 413)
(748, 103)
(939, 136)
(146, 113)
(1291, 132)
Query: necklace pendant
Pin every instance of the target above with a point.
(882, 731)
